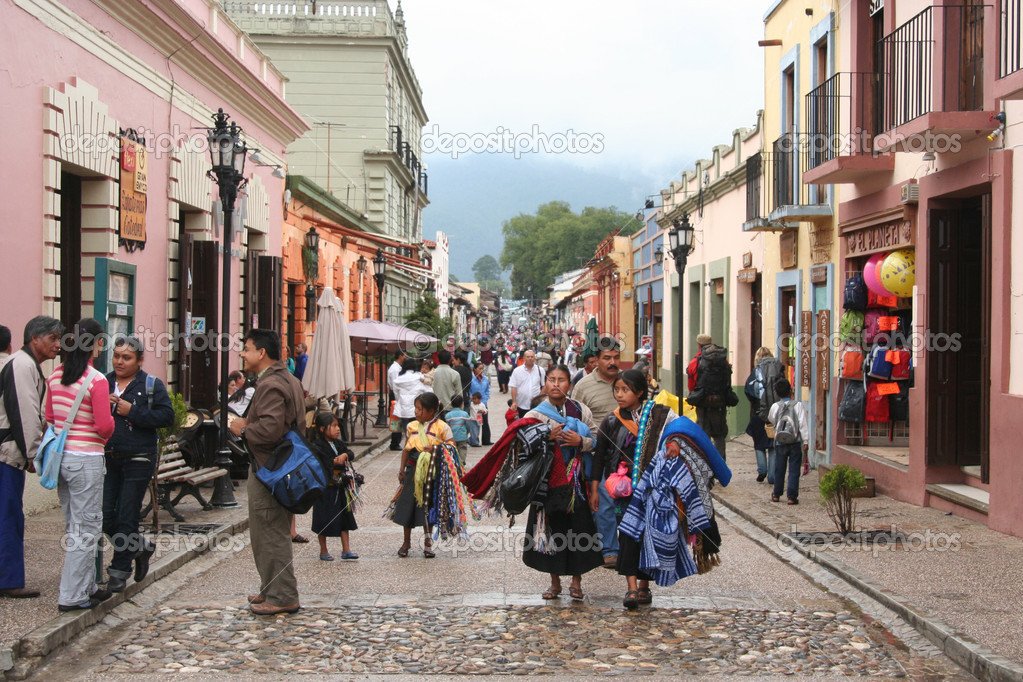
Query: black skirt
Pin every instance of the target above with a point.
(407, 513)
(331, 513)
(628, 557)
(572, 534)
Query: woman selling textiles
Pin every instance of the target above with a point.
(668, 530)
(561, 536)
(616, 446)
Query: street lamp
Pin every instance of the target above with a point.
(680, 241)
(379, 267)
(227, 157)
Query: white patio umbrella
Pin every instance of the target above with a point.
(330, 369)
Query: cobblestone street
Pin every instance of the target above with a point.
(476, 609)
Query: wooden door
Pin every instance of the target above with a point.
(958, 377)
(205, 299)
(184, 351)
(70, 249)
(271, 281)
(755, 322)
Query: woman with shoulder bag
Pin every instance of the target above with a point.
(756, 428)
(83, 466)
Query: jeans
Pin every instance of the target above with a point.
(791, 454)
(12, 527)
(474, 433)
(123, 489)
(765, 463)
(80, 490)
(607, 522)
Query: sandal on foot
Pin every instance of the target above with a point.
(774, 498)
(299, 538)
(631, 600)
(403, 552)
(326, 557)
(645, 596)
(793, 501)
(428, 554)
(551, 593)
(576, 593)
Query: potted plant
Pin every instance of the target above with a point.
(837, 489)
(169, 434)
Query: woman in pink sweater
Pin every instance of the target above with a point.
(80, 485)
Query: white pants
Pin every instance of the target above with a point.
(80, 490)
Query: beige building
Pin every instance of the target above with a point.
(349, 74)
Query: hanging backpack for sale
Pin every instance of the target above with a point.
(878, 366)
(876, 406)
(850, 327)
(768, 371)
(852, 405)
(850, 362)
(714, 376)
(898, 404)
(872, 325)
(786, 429)
(855, 293)
(902, 362)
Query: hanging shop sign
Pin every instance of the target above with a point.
(884, 237)
(747, 275)
(819, 274)
(822, 350)
(875, 6)
(788, 251)
(806, 331)
(134, 167)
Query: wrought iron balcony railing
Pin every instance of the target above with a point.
(907, 64)
(776, 196)
(1010, 58)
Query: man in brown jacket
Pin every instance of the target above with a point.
(277, 406)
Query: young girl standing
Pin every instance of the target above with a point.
(334, 511)
(422, 436)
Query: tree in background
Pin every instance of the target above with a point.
(488, 274)
(555, 240)
(425, 317)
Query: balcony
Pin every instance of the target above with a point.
(931, 81)
(776, 197)
(840, 116)
(1010, 55)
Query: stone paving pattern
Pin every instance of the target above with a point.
(540, 640)
(958, 570)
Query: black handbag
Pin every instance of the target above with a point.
(520, 487)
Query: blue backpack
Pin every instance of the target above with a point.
(294, 474)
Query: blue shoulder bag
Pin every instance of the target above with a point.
(51, 449)
(294, 474)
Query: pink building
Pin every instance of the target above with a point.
(98, 225)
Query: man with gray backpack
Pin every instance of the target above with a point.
(791, 438)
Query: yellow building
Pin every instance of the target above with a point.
(801, 284)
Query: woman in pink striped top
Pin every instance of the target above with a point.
(80, 485)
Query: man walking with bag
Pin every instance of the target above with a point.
(277, 407)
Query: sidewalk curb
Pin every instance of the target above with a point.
(31, 649)
(972, 656)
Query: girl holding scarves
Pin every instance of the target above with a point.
(423, 435)
(561, 536)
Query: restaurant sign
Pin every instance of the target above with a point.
(134, 167)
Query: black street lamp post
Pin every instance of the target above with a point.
(379, 267)
(680, 239)
(227, 155)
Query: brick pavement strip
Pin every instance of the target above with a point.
(961, 648)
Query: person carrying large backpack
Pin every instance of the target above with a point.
(710, 374)
(761, 394)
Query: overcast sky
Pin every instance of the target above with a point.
(651, 84)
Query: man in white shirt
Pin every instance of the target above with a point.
(392, 373)
(526, 383)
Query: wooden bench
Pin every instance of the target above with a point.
(173, 471)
